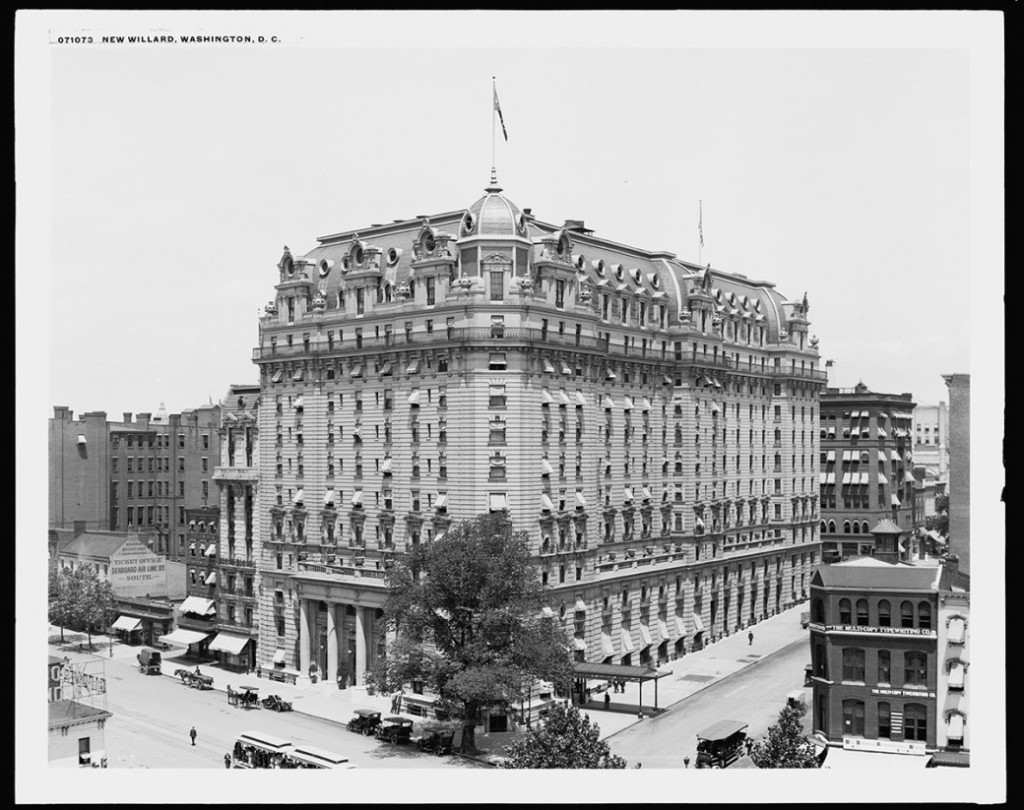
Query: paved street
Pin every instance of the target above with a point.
(755, 695)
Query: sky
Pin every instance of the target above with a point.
(854, 157)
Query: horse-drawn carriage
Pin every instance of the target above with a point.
(247, 697)
(149, 661)
(194, 680)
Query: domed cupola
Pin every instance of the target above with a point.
(493, 215)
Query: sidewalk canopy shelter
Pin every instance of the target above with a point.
(184, 638)
(620, 672)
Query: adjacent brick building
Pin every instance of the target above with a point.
(959, 386)
(866, 469)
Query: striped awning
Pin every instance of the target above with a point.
(626, 639)
(198, 605)
(550, 369)
(545, 503)
(545, 396)
(126, 623)
(184, 638)
(545, 467)
(229, 643)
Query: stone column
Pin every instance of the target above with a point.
(357, 676)
(332, 643)
(238, 548)
(303, 637)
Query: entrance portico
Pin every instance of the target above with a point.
(338, 624)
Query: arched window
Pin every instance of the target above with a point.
(824, 527)
(831, 527)
(906, 614)
(853, 664)
(862, 612)
(846, 527)
(856, 527)
(819, 610)
(915, 722)
(864, 528)
(884, 720)
(845, 612)
(884, 615)
(924, 616)
(853, 717)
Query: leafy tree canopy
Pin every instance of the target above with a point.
(465, 611)
(566, 739)
(80, 600)
(785, 745)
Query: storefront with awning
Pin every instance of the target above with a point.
(234, 650)
(128, 629)
(186, 638)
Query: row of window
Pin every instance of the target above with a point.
(160, 440)
(882, 615)
(913, 720)
(154, 489)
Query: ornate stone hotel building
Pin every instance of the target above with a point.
(650, 424)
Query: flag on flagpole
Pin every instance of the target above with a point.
(497, 109)
(700, 223)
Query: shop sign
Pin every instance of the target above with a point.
(922, 693)
(137, 571)
(885, 631)
(69, 681)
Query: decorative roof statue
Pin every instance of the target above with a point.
(685, 315)
(319, 303)
(403, 290)
(585, 294)
(526, 284)
(270, 308)
(814, 341)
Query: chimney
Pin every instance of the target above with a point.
(144, 419)
(127, 417)
(576, 226)
(79, 527)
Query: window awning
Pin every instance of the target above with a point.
(846, 477)
(608, 403)
(955, 725)
(439, 536)
(662, 630)
(184, 638)
(645, 635)
(545, 467)
(680, 626)
(579, 644)
(192, 547)
(580, 399)
(414, 397)
(548, 368)
(385, 370)
(563, 398)
(211, 578)
(442, 501)
(908, 477)
(714, 407)
(211, 551)
(627, 403)
(299, 498)
(545, 503)
(357, 498)
(297, 376)
(645, 404)
(716, 383)
(565, 369)
(229, 643)
(830, 455)
(894, 456)
(855, 415)
(627, 493)
(881, 433)
(831, 478)
(609, 374)
(580, 500)
(298, 402)
(126, 623)
(626, 638)
(832, 432)
(581, 606)
(667, 380)
(81, 438)
(198, 605)
(956, 675)
(385, 467)
(279, 657)
(329, 498)
(698, 625)
(822, 477)
(277, 376)
(894, 501)
(607, 645)
(645, 493)
(357, 370)
(413, 367)
(545, 397)
(882, 479)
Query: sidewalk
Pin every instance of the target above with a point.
(688, 675)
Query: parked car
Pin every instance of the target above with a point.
(396, 730)
(436, 738)
(276, 703)
(365, 722)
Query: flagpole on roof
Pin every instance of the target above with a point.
(700, 232)
(494, 96)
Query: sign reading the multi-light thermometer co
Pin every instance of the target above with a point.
(137, 571)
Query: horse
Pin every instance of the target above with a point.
(185, 675)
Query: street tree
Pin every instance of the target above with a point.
(98, 608)
(785, 745)
(65, 595)
(941, 521)
(464, 613)
(566, 739)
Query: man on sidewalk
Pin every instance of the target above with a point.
(750, 638)
(192, 734)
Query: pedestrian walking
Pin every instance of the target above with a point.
(607, 701)
(227, 760)
(750, 637)
(686, 762)
(192, 734)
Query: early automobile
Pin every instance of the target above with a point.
(436, 738)
(276, 703)
(149, 661)
(365, 722)
(395, 729)
(721, 744)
